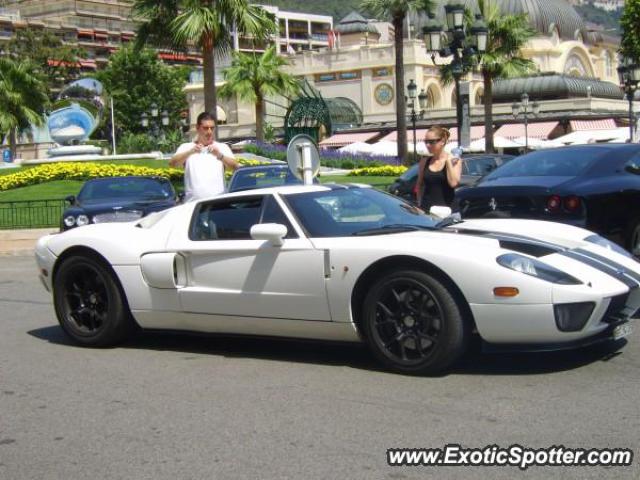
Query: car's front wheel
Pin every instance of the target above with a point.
(89, 302)
(413, 324)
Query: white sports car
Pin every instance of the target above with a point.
(342, 263)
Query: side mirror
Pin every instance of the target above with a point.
(440, 211)
(633, 167)
(274, 233)
(71, 199)
(180, 197)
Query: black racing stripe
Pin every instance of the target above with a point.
(602, 267)
(613, 263)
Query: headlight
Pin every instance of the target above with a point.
(536, 268)
(70, 221)
(82, 220)
(609, 245)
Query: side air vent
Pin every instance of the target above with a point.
(533, 249)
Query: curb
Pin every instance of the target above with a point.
(21, 242)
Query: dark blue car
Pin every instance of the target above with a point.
(117, 199)
(263, 176)
(594, 186)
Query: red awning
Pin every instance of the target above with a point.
(539, 130)
(88, 64)
(476, 133)
(343, 139)
(581, 125)
(58, 63)
(393, 136)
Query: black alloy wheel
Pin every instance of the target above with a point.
(89, 303)
(413, 324)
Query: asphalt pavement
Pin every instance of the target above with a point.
(176, 406)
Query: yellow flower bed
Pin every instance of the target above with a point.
(385, 171)
(85, 170)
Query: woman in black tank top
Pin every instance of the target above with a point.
(439, 174)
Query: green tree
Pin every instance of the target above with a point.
(507, 35)
(252, 77)
(23, 98)
(136, 79)
(207, 24)
(57, 62)
(396, 11)
(630, 22)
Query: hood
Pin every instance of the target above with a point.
(93, 208)
(555, 235)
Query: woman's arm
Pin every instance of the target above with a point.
(454, 171)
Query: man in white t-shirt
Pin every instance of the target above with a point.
(204, 161)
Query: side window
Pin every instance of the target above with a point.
(272, 213)
(228, 220)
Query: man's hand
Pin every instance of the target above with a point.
(214, 150)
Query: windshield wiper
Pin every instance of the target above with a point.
(450, 220)
(393, 228)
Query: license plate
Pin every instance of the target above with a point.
(622, 331)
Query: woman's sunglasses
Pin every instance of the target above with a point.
(432, 141)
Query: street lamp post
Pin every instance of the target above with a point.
(157, 121)
(523, 107)
(463, 46)
(412, 89)
(629, 73)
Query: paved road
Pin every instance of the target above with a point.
(187, 407)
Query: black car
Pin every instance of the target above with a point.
(594, 186)
(262, 176)
(474, 167)
(117, 199)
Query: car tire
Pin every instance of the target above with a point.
(633, 238)
(90, 304)
(413, 324)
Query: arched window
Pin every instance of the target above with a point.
(608, 63)
(479, 97)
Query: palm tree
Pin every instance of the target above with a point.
(205, 23)
(252, 77)
(397, 10)
(23, 98)
(507, 35)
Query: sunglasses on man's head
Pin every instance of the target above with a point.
(432, 141)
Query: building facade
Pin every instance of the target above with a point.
(362, 69)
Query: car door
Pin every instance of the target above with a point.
(229, 273)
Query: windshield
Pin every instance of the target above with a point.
(262, 178)
(547, 163)
(143, 189)
(356, 211)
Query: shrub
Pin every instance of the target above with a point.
(385, 171)
(86, 170)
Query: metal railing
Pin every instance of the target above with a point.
(31, 214)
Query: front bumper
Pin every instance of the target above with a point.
(607, 335)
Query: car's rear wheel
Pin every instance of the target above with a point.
(89, 302)
(413, 323)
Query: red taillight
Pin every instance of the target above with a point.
(415, 190)
(571, 203)
(568, 204)
(554, 203)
